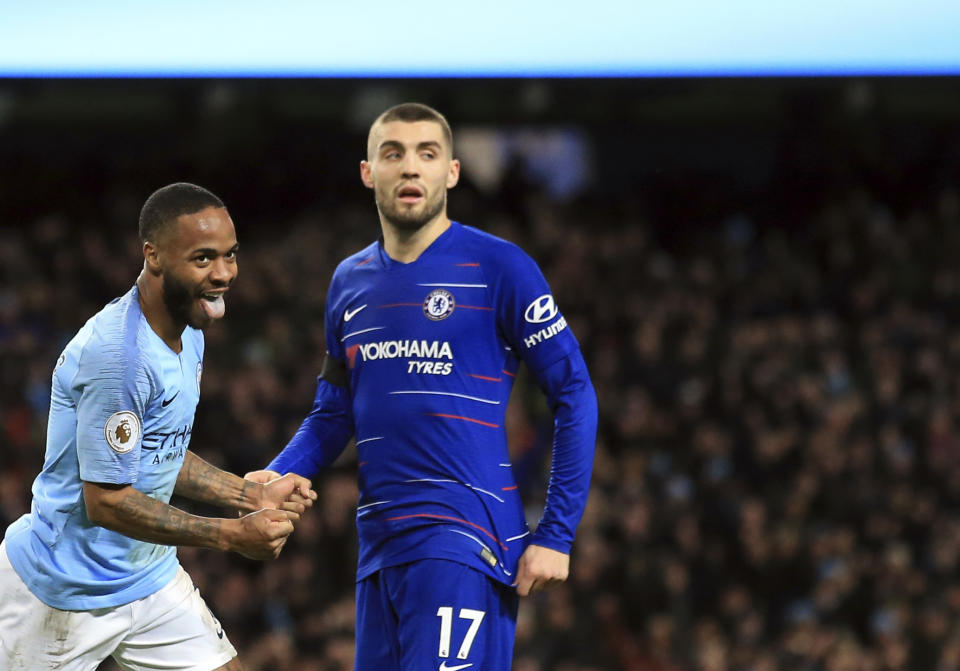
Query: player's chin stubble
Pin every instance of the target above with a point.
(178, 298)
(409, 220)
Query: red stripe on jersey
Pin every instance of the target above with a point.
(466, 419)
(508, 489)
(447, 517)
(467, 265)
(484, 377)
(509, 373)
(352, 355)
(364, 262)
(473, 307)
(362, 463)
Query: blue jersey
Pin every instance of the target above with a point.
(121, 412)
(432, 348)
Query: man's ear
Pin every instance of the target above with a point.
(453, 175)
(366, 174)
(151, 257)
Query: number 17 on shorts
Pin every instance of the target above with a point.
(445, 613)
(434, 615)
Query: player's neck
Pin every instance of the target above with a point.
(407, 246)
(150, 294)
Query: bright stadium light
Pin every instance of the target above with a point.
(497, 38)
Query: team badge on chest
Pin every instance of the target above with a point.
(438, 304)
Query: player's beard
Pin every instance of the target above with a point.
(178, 298)
(410, 220)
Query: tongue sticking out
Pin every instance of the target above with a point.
(215, 308)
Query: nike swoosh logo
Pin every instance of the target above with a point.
(169, 400)
(444, 667)
(350, 314)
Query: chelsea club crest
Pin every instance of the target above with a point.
(438, 304)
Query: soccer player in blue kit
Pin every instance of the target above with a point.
(425, 331)
(92, 570)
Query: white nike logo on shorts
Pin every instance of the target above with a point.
(350, 314)
(444, 667)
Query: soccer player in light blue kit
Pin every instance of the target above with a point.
(425, 331)
(92, 570)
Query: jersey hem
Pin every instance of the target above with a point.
(28, 573)
(479, 566)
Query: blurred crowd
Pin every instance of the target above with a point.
(777, 475)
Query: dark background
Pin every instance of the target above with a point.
(761, 274)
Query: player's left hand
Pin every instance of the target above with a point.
(290, 493)
(540, 568)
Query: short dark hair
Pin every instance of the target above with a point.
(171, 201)
(411, 112)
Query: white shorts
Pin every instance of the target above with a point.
(171, 629)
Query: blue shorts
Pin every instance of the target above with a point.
(434, 615)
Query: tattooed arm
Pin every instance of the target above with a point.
(128, 511)
(202, 481)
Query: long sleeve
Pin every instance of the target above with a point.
(322, 435)
(530, 321)
(572, 399)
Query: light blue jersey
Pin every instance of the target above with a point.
(121, 412)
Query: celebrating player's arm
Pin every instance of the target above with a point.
(258, 535)
(201, 481)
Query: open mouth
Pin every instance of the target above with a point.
(410, 194)
(213, 304)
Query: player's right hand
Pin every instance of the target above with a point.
(261, 535)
